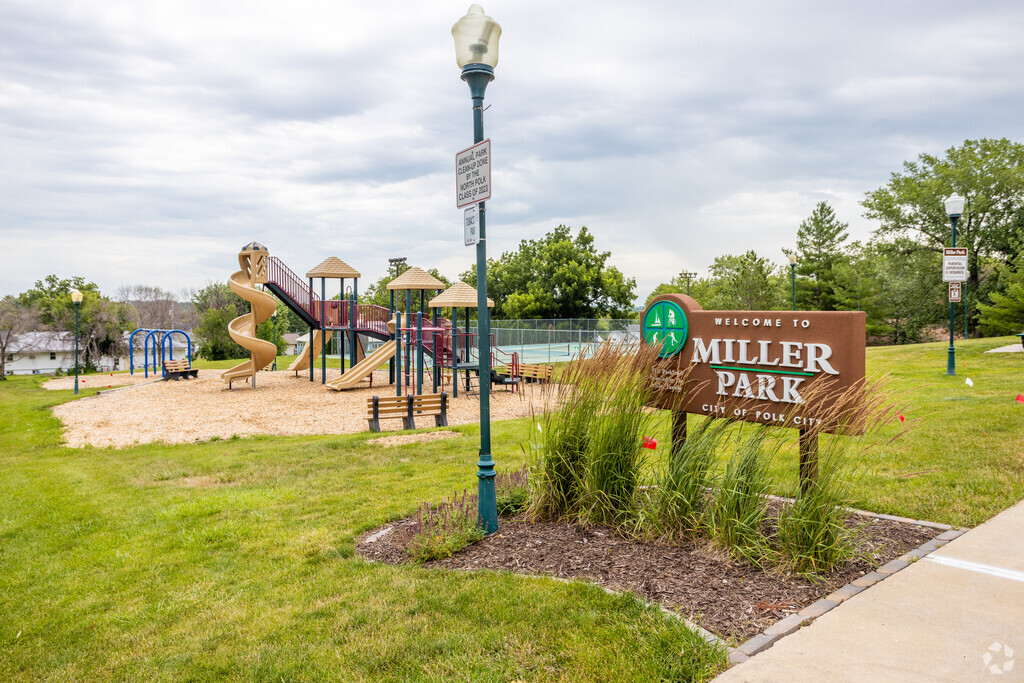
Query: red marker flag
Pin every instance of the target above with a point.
(648, 442)
(1020, 398)
(900, 416)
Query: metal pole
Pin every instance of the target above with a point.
(323, 331)
(477, 76)
(792, 277)
(275, 339)
(951, 358)
(77, 305)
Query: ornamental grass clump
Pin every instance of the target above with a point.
(443, 529)
(682, 495)
(812, 531)
(740, 501)
(590, 452)
(512, 490)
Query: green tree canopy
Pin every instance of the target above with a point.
(1005, 314)
(747, 282)
(557, 276)
(102, 322)
(988, 173)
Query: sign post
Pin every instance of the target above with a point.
(471, 218)
(954, 292)
(473, 174)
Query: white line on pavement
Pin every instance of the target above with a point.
(1011, 574)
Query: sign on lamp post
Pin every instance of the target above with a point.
(471, 219)
(954, 292)
(954, 264)
(473, 174)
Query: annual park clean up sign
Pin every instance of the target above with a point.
(757, 366)
(473, 174)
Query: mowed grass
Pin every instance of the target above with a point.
(235, 560)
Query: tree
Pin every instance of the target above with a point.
(1005, 315)
(15, 321)
(216, 305)
(745, 282)
(265, 330)
(819, 249)
(379, 294)
(102, 322)
(154, 308)
(989, 174)
(558, 276)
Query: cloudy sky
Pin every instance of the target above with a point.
(145, 142)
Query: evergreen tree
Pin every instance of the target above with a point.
(819, 250)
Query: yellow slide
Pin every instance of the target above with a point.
(262, 306)
(361, 370)
(302, 361)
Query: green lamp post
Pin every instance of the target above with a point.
(792, 276)
(476, 52)
(954, 209)
(76, 297)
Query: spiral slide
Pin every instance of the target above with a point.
(243, 328)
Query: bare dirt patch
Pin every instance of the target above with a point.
(726, 596)
(98, 381)
(282, 404)
(404, 439)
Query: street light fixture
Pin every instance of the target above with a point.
(476, 52)
(688, 276)
(954, 209)
(792, 275)
(76, 297)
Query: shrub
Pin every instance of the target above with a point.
(512, 491)
(741, 499)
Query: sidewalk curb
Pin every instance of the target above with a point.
(795, 622)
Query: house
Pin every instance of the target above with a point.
(44, 353)
(291, 340)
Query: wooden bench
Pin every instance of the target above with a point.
(537, 373)
(177, 369)
(408, 408)
(1021, 335)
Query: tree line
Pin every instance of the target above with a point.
(895, 277)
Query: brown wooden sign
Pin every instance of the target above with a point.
(778, 368)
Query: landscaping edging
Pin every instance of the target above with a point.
(780, 629)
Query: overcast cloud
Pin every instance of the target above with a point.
(144, 143)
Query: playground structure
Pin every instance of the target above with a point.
(252, 262)
(407, 347)
(165, 340)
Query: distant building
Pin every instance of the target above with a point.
(44, 353)
(291, 340)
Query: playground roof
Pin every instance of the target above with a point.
(416, 278)
(333, 267)
(459, 295)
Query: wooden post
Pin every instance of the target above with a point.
(678, 430)
(808, 459)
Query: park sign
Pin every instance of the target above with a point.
(757, 366)
(473, 174)
(954, 264)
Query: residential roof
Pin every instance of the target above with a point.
(459, 295)
(333, 266)
(416, 278)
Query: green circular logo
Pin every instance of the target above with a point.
(665, 325)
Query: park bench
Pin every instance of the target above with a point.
(1021, 335)
(537, 373)
(177, 369)
(408, 408)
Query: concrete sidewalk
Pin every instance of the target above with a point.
(956, 615)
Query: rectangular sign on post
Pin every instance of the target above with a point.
(954, 292)
(954, 264)
(473, 174)
(471, 217)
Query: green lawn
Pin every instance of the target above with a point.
(235, 559)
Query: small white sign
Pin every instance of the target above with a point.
(954, 292)
(954, 264)
(473, 174)
(472, 221)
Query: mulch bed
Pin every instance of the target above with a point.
(728, 597)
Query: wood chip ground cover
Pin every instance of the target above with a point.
(728, 597)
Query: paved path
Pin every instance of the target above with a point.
(957, 615)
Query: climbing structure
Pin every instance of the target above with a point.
(253, 260)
